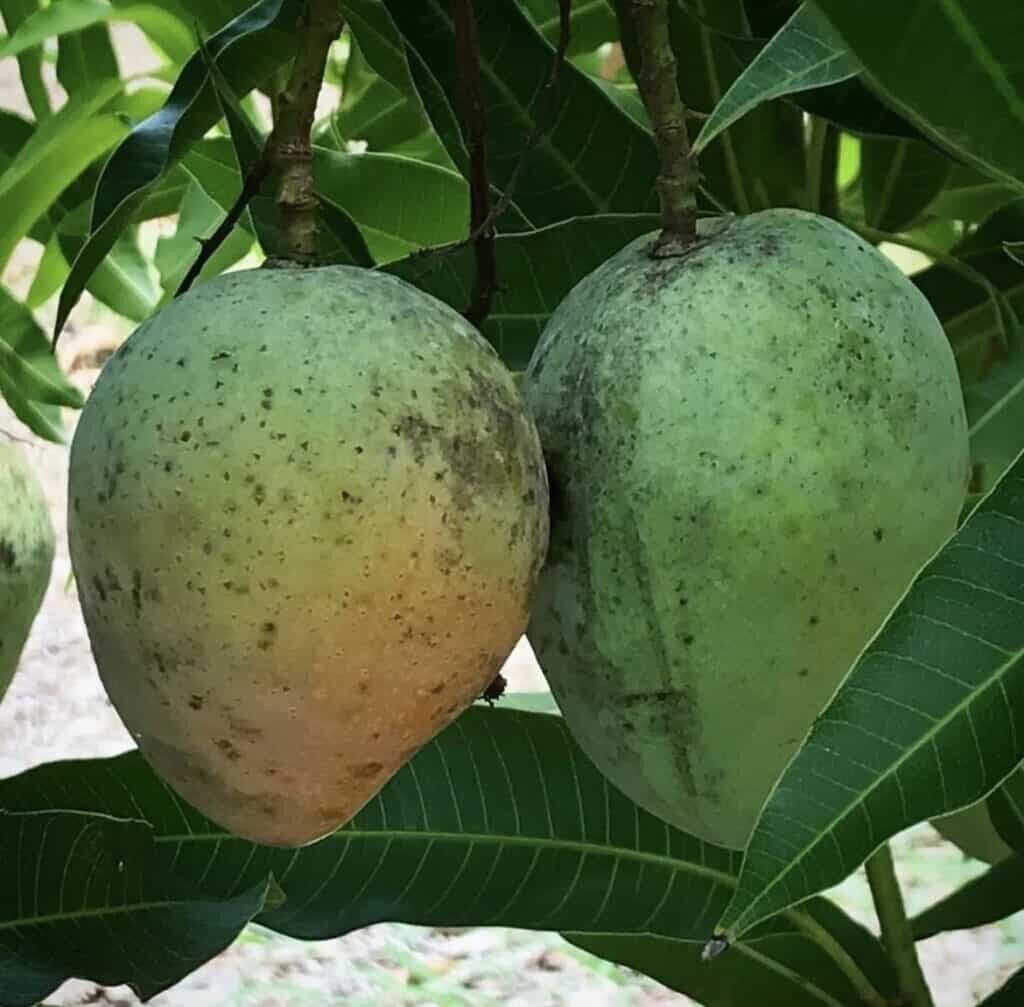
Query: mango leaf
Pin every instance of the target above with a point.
(989, 349)
(805, 54)
(248, 50)
(378, 114)
(1010, 995)
(929, 719)
(786, 970)
(759, 160)
(56, 154)
(399, 204)
(499, 821)
(85, 895)
(561, 178)
(980, 119)
(536, 269)
(990, 897)
(30, 62)
(970, 196)
(72, 16)
(1006, 807)
(34, 371)
(85, 58)
(899, 178)
(592, 23)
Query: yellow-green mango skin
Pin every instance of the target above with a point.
(27, 545)
(307, 512)
(974, 832)
(751, 451)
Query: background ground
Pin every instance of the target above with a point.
(56, 709)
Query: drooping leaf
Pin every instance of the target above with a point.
(980, 119)
(248, 50)
(500, 820)
(785, 970)
(86, 896)
(805, 54)
(929, 719)
(30, 62)
(536, 269)
(991, 896)
(53, 157)
(970, 196)
(30, 379)
(85, 58)
(72, 16)
(562, 177)
(899, 178)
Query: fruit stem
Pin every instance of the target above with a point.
(897, 937)
(291, 150)
(659, 89)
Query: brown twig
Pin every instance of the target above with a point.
(250, 189)
(678, 179)
(474, 128)
(290, 150)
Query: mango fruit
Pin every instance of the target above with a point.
(307, 513)
(27, 543)
(752, 449)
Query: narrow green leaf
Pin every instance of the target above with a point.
(30, 62)
(44, 421)
(988, 898)
(929, 719)
(26, 362)
(805, 53)
(536, 269)
(980, 119)
(786, 970)
(562, 176)
(85, 58)
(248, 50)
(71, 16)
(85, 896)
(970, 196)
(1010, 995)
(899, 179)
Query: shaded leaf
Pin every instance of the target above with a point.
(85, 896)
(562, 176)
(593, 23)
(980, 119)
(536, 269)
(990, 897)
(970, 196)
(805, 53)
(30, 62)
(248, 50)
(899, 178)
(786, 970)
(929, 719)
(399, 204)
(85, 58)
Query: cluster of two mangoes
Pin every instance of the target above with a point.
(309, 518)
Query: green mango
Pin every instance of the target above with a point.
(307, 512)
(752, 448)
(27, 543)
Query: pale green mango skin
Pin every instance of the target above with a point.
(27, 543)
(751, 451)
(307, 512)
(974, 832)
